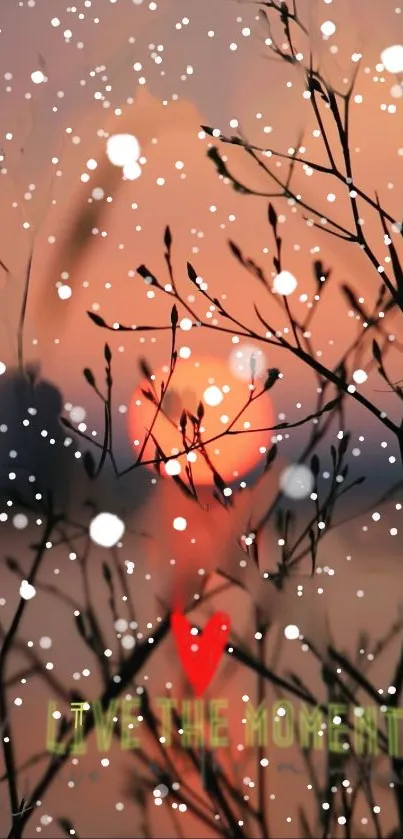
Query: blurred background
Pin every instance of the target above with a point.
(160, 71)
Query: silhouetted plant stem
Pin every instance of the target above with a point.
(7, 739)
(23, 312)
(261, 775)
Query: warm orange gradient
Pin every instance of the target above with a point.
(231, 455)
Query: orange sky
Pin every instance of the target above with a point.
(183, 203)
(224, 85)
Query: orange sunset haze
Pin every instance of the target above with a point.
(224, 395)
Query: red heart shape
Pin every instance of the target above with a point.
(200, 654)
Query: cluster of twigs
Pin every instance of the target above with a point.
(221, 804)
(219, 795)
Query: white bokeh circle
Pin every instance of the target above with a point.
(392, 58)
(284, 283)
(240, 362)
(106, 530)
(297, 481)
(122, 149)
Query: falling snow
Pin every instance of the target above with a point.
(200, 389)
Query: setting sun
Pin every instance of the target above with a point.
(210, 381)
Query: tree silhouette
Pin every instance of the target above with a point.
(300, 534)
